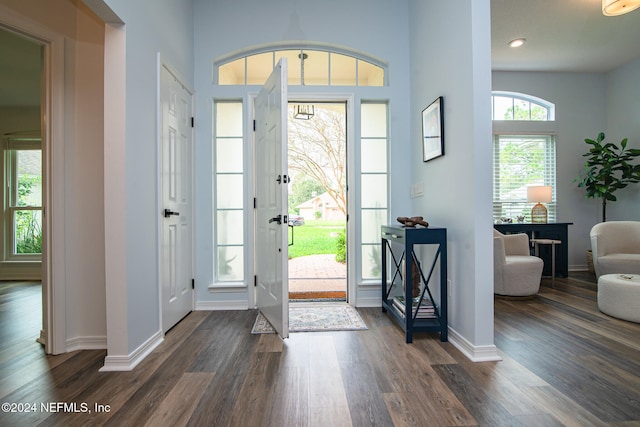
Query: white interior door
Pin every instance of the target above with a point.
(176, 216)
(271, 252)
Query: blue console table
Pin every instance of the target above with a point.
(399, 242)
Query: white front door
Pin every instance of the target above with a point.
(175, 212)
(271, 252)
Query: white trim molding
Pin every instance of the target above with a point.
(87, 343)
(222, 305)
(130, 361)
(483, 353)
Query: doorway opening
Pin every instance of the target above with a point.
(22, 193)
(317, 164)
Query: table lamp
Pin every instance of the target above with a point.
(539, 194)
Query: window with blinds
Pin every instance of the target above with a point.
(518, 162)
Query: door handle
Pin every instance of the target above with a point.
(277, 219)
(169, 212)
(283, 179)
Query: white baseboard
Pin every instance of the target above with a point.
(578, 267)
(369, 302)
(128, 362)
(483, 353)
(221, 305)
(86, 343)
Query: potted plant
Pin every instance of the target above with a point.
(608, 168)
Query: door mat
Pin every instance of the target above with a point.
(316, 318)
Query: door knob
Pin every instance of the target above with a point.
(169, 212)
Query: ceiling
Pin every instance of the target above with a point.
(562, 35)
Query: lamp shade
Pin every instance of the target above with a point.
(539, 193)
(618, 7)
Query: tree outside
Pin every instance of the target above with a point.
(317, 164)
(317, 150)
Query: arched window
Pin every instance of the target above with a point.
(523, 154)
(518, 106)
(310, 67)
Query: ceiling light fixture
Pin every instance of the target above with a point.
(619, 7)
(517, 42)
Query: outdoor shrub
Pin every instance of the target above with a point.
(341, 246)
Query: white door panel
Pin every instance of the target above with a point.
(176, 288)
(271, 253)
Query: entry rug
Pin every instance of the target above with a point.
(314, 318)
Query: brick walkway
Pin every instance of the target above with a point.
(317, 273)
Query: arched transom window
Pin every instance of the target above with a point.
(310, 67)
(518, 106)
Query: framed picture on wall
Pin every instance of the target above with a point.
(433, 131)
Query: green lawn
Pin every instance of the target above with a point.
(315, 237)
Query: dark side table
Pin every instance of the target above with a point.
(552, 231)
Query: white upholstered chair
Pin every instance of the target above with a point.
(515, 272)
(616, 247)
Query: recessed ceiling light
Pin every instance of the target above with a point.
(516, 42)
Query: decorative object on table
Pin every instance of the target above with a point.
(539, 194)
(424, 309)
(412, 221)
(315, 318)
(608, 168)
(433, 130)
(520, 218)
(415, 279)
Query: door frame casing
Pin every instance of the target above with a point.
(349, 99)
(53, 333)
(161, 62)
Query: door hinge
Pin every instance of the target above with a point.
(255, 281)
(192, 122)
(254, 125)
(193, 283)
(255, 203)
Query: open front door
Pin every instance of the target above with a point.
(271, 251)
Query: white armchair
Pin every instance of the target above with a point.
(515, 272)
(616, 247)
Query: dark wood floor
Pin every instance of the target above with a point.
(564, 363)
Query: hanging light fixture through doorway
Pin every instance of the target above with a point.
(303, 111)
(619, 7)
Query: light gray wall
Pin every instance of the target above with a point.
(586, 104)
(378, 28)
(151, 27)
(623, 121)
(450, 57)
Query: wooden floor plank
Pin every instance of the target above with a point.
(564, 363)
(176, 408)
